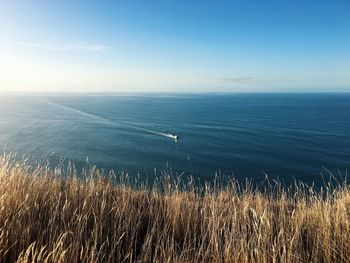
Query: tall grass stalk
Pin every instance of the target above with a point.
(45, 217)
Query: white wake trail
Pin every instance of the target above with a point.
(109, 122)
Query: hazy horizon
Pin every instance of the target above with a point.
(170, 93)
(164, 47)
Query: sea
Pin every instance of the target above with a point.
(283, 136)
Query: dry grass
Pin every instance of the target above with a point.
(47, 219)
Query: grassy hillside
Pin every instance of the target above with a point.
(44, 218)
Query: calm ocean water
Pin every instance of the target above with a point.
(247, 135)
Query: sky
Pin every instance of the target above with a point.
(174, 46)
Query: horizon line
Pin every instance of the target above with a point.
(138, 93)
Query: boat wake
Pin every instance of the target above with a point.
(112, 123)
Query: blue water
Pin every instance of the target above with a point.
(246, 135)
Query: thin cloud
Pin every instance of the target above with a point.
(28, 44)
(79, 47)
(74, 47)
(238, 79)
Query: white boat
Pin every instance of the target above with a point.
(173, 136)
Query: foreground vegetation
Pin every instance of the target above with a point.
(44, 218)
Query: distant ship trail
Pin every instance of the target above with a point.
(109, 122)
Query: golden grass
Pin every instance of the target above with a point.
(44, 218)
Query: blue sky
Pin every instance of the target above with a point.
(175, 46)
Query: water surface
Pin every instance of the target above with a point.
(245, 135)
